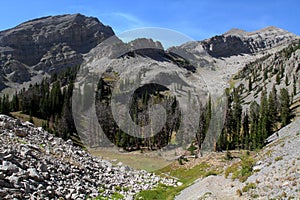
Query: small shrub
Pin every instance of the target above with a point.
(231, 169)
(118, 188)
(254, 196)
(192, 149)
(211, 173)
(239, 192)
(117, 196)
(228, 155)
(241, 170)
(278, 158)
(249, 187)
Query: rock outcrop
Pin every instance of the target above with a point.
(35, 164)
(236, 42)
(49, 44)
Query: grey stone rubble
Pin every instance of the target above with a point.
(36, 165)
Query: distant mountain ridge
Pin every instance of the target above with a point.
(49, 45)
(237, 42)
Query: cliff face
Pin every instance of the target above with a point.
(49, 44)
(236, 42)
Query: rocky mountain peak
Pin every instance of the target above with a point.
(237, 41)
(142, 43)
(49, 43)
(31, 40)
(235, 31)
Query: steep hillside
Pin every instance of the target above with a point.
(281, 70)
(190, 72)
(36, 164)
(274, 174)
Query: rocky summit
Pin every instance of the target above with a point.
(35, 164)
(48, 44)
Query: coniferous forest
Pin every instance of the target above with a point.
(51, 101)
(246, 126)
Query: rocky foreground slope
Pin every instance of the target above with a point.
(35, 164)
(276, 173)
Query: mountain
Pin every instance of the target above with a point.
(192, 70)
(231, 91)
(237, 42)
(47, 45)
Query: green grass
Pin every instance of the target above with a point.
(241, 170)
(114, 196)
(186, 176)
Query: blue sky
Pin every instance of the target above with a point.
(194, 18)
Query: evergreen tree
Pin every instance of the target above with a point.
(278, 78)
(286, 80)
(15, 104)
(281, 71)
(284, 106)
(250, 84)
(294, 85)
(263, 130)
(265, 74)
(246, 138)
(237, 116)
(254, 119)
(272, 109)
(5, 105)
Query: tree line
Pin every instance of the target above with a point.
(249, 129)
(50, 100)
(243, 129)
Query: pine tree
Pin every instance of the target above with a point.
(14, 105)
(246, 131)
(250, 84)
(281, 71)
(5, 105)
(284, 106)
(272, 109)
(286, 80)
(294, 85)
(265, 74)
(278, 78)
(254, 119)
(263, 131)
(237, 117)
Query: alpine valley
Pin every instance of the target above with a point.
(230, 131)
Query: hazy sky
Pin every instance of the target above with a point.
(198, 19)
